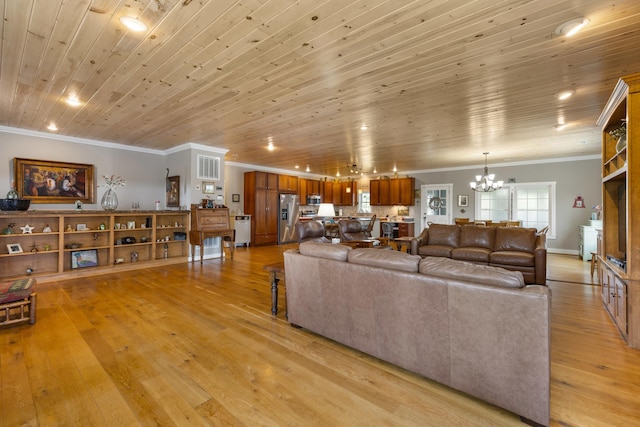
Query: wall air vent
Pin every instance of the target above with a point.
(208, 167)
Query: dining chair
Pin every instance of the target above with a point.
(369, 229)
(387, 230)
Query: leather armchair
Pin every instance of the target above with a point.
(311, 231)
(351, 230)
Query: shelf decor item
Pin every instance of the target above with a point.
(109, 200)
(84, 258)
(41, 181)
(14, 248)
(621, 134)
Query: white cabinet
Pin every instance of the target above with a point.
(242, 225)
(588, 241)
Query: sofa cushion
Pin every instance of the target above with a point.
(446, 268)
(325, 250)
(477, 236)
(16, 290)
(386, 259)
(444, 235)
(471, 254)
(515, 258)
(515, 239)
(435, 250)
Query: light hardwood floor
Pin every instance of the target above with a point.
(196, 345)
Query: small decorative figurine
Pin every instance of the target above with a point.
(68, 228)
(9, 229)
(46, 229)
(27, 229)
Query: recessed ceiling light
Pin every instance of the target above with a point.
(308, 170)
(297, 167)
(364, 127)
(134, 24)
(565, 94)
(570, 28)
(560, 126)
(52, 127)
(73, 101)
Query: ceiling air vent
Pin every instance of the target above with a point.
(208, 167)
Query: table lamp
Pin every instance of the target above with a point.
(326, 210)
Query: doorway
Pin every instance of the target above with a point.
(436, 204)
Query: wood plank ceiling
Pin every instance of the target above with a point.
(437, 83)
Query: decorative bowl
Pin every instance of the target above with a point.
(14, 204)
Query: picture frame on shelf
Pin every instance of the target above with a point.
(173, 191)
(44, 181)
(81, 227)
(463, 200)
(14, 248)
(84, 258)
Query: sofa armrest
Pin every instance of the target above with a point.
(540, 255)
(416, 242)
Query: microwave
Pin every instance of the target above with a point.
(313, 200)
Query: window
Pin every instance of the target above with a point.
(533, 204)
(364, 201)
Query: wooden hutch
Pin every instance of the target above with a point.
(619, 252)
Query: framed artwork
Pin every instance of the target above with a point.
(85, 258)
(235, 197)
(463, 200)
(43, 181)
(208, 187)
(173, 191)
(14, 248)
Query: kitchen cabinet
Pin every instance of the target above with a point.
(287, 184)
(343, 193)
(393, 191)
(307, 187)
(337, 194)
(59, 236)
(326, 191)
(380, 192)
(407, 191)
(261, 202)
(406, 229)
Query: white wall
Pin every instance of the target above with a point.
(573, 177)
(144, 170)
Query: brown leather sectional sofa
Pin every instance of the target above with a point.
(512, 248)
(475, 328)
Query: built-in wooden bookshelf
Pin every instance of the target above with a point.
(114, 240)
(619, 257)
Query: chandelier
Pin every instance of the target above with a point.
(485, 182)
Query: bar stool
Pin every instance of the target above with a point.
(594, 262)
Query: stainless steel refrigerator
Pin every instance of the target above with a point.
(289, 209)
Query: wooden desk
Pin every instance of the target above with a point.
(208, 223)
(274, 270)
